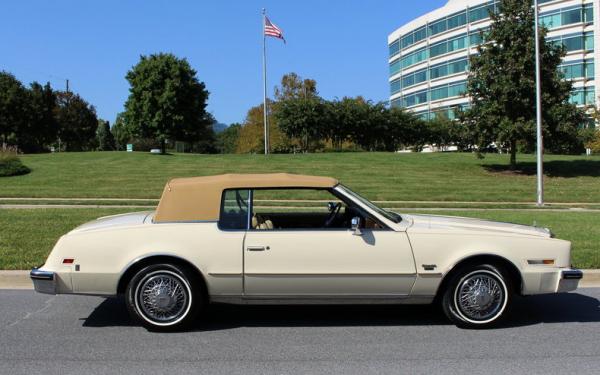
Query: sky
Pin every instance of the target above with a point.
(342, 44)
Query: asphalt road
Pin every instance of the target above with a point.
(89, 335)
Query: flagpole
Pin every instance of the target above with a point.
(538, 89)
(265, 116)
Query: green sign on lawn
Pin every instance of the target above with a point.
(129, 147)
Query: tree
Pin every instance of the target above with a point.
(40, 128)
(13, 106)
(227, 139)
(293, 86)
(77, 122)
(166, 100)
(502, 84)
(121, 133)
(106, 140)
(302, 118)
(440, 130)
(251, 135)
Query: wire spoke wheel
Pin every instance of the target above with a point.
(480, 296)
(163, 297)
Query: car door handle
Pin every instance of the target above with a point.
(257, 248)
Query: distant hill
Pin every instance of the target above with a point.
(219, 127)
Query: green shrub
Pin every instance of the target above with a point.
(10, 164)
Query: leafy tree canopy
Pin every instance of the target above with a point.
(167, 101)
(502, 86)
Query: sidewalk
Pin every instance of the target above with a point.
(20, 279)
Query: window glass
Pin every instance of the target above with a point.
(572, 16)
(408, 80)
(589, 42)
(457, 20)
(437, 27)
(394, 48)
(438, 49)
(421, 76)
(395, 86)
(574, 43)
(439, 71)
(590, 95)
(458, 66)
(407, 40)
(420, 34)
(551, 20)
(589, 70)
(480, 13)
(394, 67)
(439, 93)
(234, 209)
(457, 90)
(309, 209)
(588, 13)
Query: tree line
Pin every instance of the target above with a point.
(37, 117)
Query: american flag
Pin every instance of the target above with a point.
(272, 30)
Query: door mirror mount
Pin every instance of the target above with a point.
(355, 226)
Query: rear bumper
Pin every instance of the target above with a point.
(569, 280)
(43, 281)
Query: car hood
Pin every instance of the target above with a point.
(133, 218)
(464, 223)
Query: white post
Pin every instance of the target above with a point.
(265, 116)
(538, 89)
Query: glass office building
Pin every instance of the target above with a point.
(429, 57)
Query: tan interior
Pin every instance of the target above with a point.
(199, 198)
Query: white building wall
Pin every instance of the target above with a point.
(455, 6)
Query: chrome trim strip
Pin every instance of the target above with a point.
(430, 275)
(399, 299)
(225, 274)
(275, 274)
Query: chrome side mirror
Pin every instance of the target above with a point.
(355, 226)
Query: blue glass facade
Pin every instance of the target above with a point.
(428, 64)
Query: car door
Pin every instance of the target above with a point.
(325, 262)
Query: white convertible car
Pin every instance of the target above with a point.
(284, 239)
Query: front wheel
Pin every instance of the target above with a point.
(163, 297)
(477, 296)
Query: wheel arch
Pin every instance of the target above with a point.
(148, 260)
(493, 259)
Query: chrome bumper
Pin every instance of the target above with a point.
(43, 281)
(569, 280)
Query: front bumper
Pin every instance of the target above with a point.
(43, 281)
(569, 280)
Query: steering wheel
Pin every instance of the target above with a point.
(333, 211)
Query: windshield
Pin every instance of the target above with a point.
(387, 214)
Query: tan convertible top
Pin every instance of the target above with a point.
(199, 198)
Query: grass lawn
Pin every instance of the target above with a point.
(379, 176)
(27, 236)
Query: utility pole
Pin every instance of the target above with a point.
(538, 89)
(67, 85)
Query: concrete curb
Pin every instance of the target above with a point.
(20, 279)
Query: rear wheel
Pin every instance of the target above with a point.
(163, 297)
(477, 296)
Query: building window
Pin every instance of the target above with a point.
(568, 16)
(394, 48)
(481, 12)
(395, 86)
(394, 67)
(584, 96)
(579, 42)
(579, 69)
